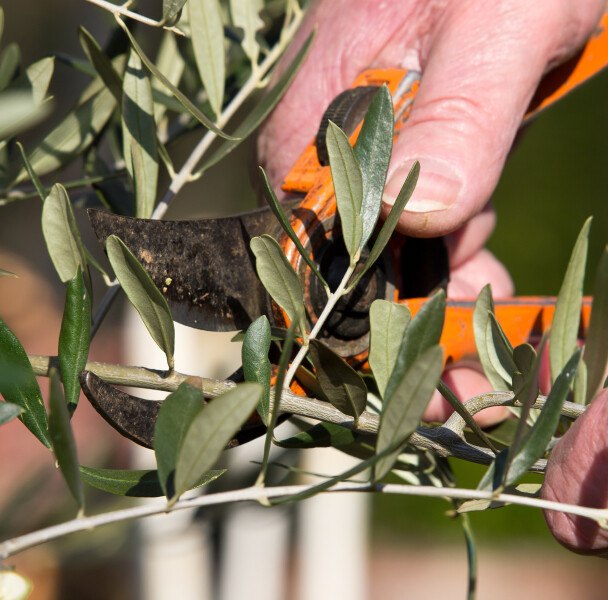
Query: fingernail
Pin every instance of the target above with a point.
(437, 189)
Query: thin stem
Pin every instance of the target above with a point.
(331, 302)
(125, 12)
(19, 544)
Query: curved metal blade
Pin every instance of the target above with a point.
(135, 418)
(204, 267)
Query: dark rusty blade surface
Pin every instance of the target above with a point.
(204, 267)
(135, 418)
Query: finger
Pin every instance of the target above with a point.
(467, 280)
(484, 63)
(577, 473)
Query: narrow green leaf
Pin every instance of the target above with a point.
(18, 384)
(208, 44)
(500, 350)
(246, 16)
(373, 149)
(471, 547)
(183, 100)
(421, 334)
(348, 186)
(145, 297)
(278, 212)
(9, 64)
(401, 415)
(566, 320)
(74, 337)
(596, 345)
(322, 435)
(138, 484)
(580, 384)
(14, 586)
(390, 223)
(102, 64)
(170, 62)
(30, 171)
(484, 306)
(139, 135)
(388, 323)
(38, 77)
(171, 10)
(61, 234)
(210, 431)
(535, 444)
(4, 273)
(62, 438)
(278, 276)
(175, 416)
(19, 112)
(253, 120)
(9, 411)
(341, 384)
(256, 364)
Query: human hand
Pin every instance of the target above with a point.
(481, 62)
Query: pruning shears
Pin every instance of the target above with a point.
(206, 271)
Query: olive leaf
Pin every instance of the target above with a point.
(171, 10)
(102, 64)
(422, 333)
(170, 62)
(40, 189)
(139, 135)
(37, 78)
(134, 483)
(18, 384)
(61, 234)
(278, 212)
(18, 112)
(386, 231)
(566, 320)
(256, 364)
(145, 297)
(210, 431)
(278, 276)
(596, 346)
(4, 273)
(321, 435)
(9, 64)
(348, 186)
(246, 16)
(9, 411)
(62, 438)
(74, 337)
(208, 44)
(341, 384)
(388, 323)
(174, 417)
(373, 149)
(402, 413)
(500, 350)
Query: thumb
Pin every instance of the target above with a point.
(478, 79)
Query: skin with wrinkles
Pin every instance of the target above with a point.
(481, 61)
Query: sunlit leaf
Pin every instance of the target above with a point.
(32, 174)
(348, 186)
(74, 337)
(341, 384)
(500, 350)
(390, 223)
(388, 322)
(256, 364)
(535, 444)
(18, 384)
(183, 100)
(278, 212)
(580, 384)
(596, 345)
(170, 62)
(9, 64)
(422, 333)
(175, 416)
(373, 149)
(145, 297)
(61, 234)
(277, 275)
(171, 10)
(566, 320)
(62, 438)
(402, 414)
(253, 120)
(208, 44)
(137, 483)
(9, 411)
(210, 431)
(246, 15)
(139, 135)
(38, 76)
(14, 586)
(18, 112)
(102, 64)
